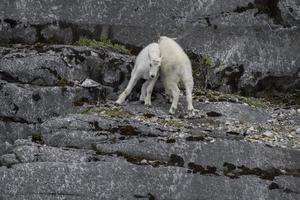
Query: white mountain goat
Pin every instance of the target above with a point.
(146, 66)
(175, 67)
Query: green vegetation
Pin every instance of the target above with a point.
(82, 101)
(215, 96)
(37, 138)
(64, 82)
(103, 43)
(255, 102)
(207, 61)
(173, 122)
(110, 112)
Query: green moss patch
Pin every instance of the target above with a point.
(102, 43)
(177, 123)
(215, 96)
(37, 138)
(110, 112)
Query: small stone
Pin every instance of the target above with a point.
(268, 133)
(9, 159)
(144, 161)
(298, 131)
(227, 123)
(76, 82)
(93, 53)
(298, 111)
(89, 83)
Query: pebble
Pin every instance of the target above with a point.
(250, 131)
(93, 53)
(268, 133)
(298, 110)
(298, 131)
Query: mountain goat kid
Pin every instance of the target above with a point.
(175, 67)
(147, 67)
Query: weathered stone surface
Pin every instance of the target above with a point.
(11, 131)
(29, 104)
(59, 140)
(251, 45)
(118, 179)
(63, 65)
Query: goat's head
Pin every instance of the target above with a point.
(154, 67)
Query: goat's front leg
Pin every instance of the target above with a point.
(149, 91)
(144, 90)
(127, 91)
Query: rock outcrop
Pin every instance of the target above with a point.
(62, 136)
(245, 46)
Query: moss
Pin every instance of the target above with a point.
(255, 102)
(37, 138)
(207, 61)
(63, 83)
(103, 43)
(215, 96)
(285, 99)
(82, 101)
(110, 112)
(174, 123)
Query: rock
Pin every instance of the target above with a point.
(8, 159)
(89, 83)
(234, 45)
(268, 134)
(96, 179)
(298, 131)
(63, 140)
(29, 105)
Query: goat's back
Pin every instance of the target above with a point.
(174, 59)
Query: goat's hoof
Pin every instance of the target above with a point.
(142, 99)
(118, 102)
(191, 113)
(148, 104)
(172, 111)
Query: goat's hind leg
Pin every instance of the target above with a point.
(169, 97)
(175, 96)
(133, 80)
(189, 84)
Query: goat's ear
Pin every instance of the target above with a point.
(149, 56)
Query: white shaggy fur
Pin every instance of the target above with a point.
(175, 67)
(147, 67)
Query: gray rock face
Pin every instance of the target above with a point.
(60, 138)
(245, 46)
(41, 82)
(108, 156)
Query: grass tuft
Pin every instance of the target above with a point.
(103, 43)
